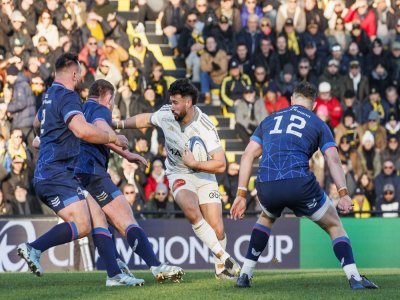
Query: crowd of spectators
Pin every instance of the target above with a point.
(245, 55)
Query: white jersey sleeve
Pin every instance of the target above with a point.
(157, 117)
(209, 135)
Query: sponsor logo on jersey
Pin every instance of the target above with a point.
(174, 152)
(103, 196)
(177, 184)
(214, 194)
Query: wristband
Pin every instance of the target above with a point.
(343, 192)
(242, 188)
(241, 193)
(112, 138)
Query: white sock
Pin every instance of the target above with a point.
(248, 267)
(351, 270)
(219, 264)
(207, 235)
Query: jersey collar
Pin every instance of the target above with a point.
(195, 118)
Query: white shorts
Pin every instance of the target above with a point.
(204, 185)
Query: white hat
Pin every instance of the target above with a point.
(324, 87)
(368, 136)
(17, 16)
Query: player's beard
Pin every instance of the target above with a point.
(180, 117)
(78, 87)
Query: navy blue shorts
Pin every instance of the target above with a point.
(60, 191)
(101, 187)
(302, 195)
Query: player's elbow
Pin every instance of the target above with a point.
(221, 168)
(80, 133)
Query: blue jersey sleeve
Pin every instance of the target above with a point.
(257, 135)
(40, 113)
(70, 106)
(326, 138)
(102, 114)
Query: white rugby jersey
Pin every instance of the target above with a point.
(176, 136)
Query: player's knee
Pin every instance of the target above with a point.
(84, 229)
(193, 215)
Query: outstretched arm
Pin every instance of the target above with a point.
(253, 151)
(335, 166)
(131, 157)
(135, 122)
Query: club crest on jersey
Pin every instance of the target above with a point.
(177, 184)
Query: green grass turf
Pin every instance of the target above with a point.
(294, 284)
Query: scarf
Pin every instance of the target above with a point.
(356, 80)
(377, 106)
(293, 44)
(369, 158)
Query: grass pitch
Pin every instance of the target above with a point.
(296, 284)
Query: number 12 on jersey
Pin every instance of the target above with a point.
(297, 122)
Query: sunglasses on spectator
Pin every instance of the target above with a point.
(201, 5)
(93, 43)
(303, 67)
(345, 142)
(259, 73)
(265, 25)
(388, 167)
(388, 193)
(129, 193)
(192, 20)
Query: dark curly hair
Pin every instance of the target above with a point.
(184, 88)
(307, 90)
(66, 60)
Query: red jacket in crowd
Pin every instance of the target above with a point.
(335, 110)
(368, 23)
(151, 186)
(280, 103)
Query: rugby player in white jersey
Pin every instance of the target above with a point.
(193, 183)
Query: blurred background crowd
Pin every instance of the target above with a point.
(244, 56)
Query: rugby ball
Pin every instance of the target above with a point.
(198, 148)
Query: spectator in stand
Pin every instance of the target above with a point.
(348, 129)
(392, 125)
(304, 72)
(21, 104)
(206, 16)
(267, 30)
(191, 45)
(385, 19)
(393, 101)
(157, 176)
(380, 78)
(27, 9)
(143, 55)
(331, 75)
(334, 10)
(394, 34)
(142, 147)
(355, 81)
(273, 100)
(388, 202)
(46, 28)
(376, 54)
(38, 89)
(332, 104)
(214, 67)
(392, 151)
(132, 79)
(173, 21)
(16, 147)
(270, 10)
(228, 10)
(261, 81)
(242, 56)
(349, 156)
(114, 52)
(131, 195)
(224, 35)
(161, 202)
(386, 176)
(108, 71)
(103, 8)
(291, 9)
(360, 11)
(314, 36)
(233, 85)
(361, 204)
(47, 57)
(5, 206)
(69, 29)
(20, 32)
(285, 56)
(338, 34)
(370, 155)
(360, 37)
(377, 130)
(367, 185)
(250, 111)
(394, 63)
(249, 8)
(294, 41)
(91, 54)
(118, 26)
(95, 26)
(377, 104)
(151, 10)
(251, 33)
(316, 62)
(286, 81)
(130, 173)
(267, 57)
(160, 84)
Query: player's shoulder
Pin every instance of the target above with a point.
(204, 119)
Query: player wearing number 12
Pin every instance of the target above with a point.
(286, 141)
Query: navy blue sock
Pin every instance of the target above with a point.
(140, 244)
(112, 231)
(58, 235)
(343, 251)
(102, 239)
(258, 241)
